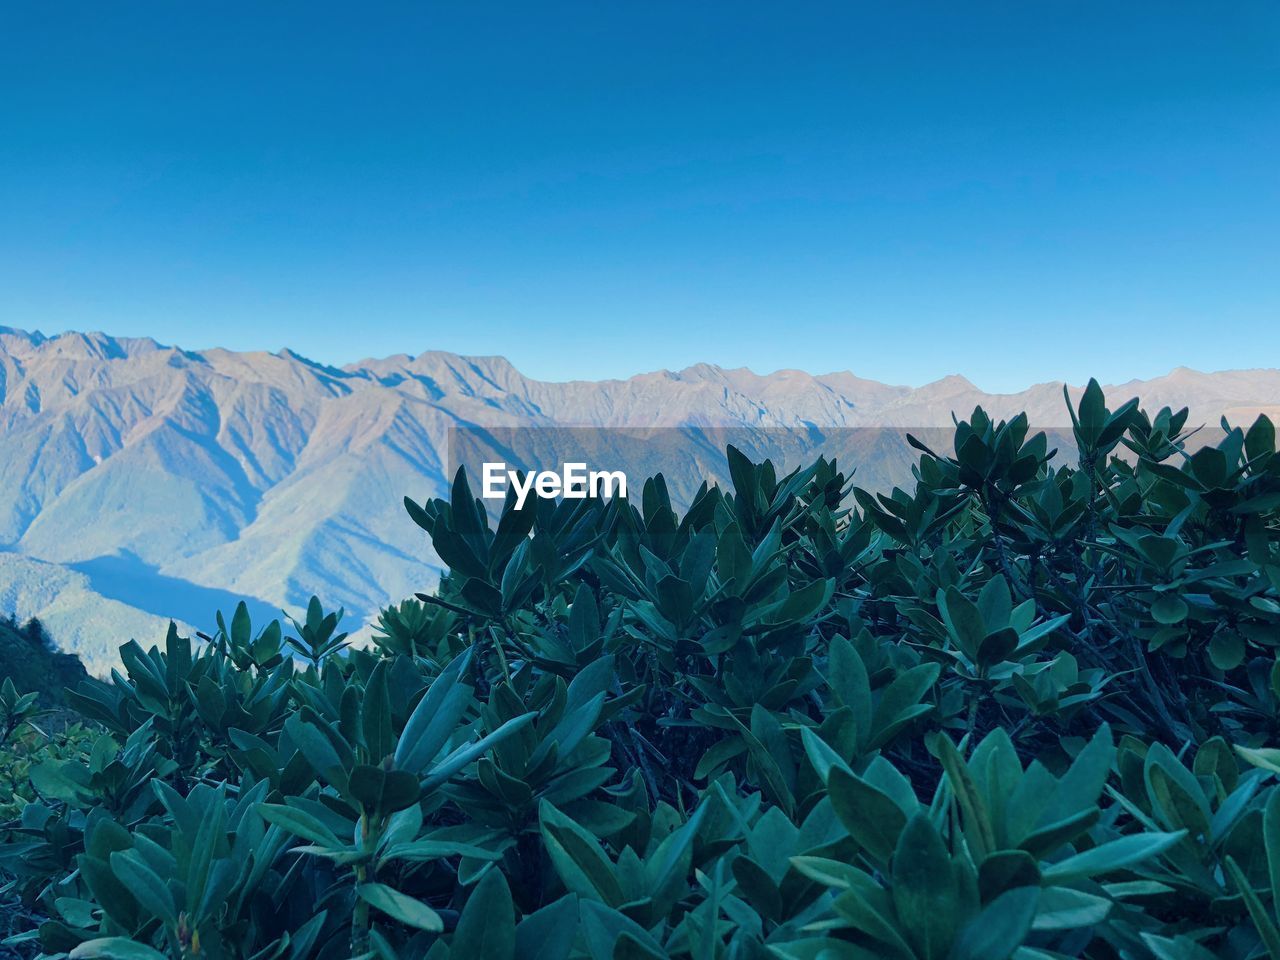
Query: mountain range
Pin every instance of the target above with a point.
(141, 482)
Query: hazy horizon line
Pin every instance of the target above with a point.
(361, 364)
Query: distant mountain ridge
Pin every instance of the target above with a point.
(140, 481)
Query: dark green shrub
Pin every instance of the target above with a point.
(1025, 709)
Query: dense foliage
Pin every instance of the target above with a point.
(30, 663)
(1022, 710)
(30, 659)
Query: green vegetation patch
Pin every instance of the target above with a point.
(29, 658)
(1020, 710)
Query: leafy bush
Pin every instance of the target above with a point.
(1025, 709)
(24, 743)
(33, 728)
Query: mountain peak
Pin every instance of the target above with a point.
(31, 336)
(952, 383)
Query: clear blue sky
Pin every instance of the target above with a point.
(1013, 191)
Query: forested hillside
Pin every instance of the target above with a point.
(29, 657)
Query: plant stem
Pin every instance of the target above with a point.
(360, 912)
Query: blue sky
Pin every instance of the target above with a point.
(1016, 192)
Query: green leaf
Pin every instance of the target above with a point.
(469, 752)
(577, 858)
(1262, 919)
(1113, 855)
(115, 948)
(1169, 609)
(604, 927)
(548, 934)
(320, 749)
(384, 791)
(375, 714)
(1048, 839)
(1062, 908)
(487, 930)
(241, 625)
(996, 647)
(757, 888)
(400, 907)
(667, 868)
(1271, 842)
(900, 703)
(115, 898)
(872, 818)
(630, 946)
(435, 718)
(964, 621)
(1080, 787)
(1175, 948)
(1226, 649)
(299, 823)
(996, 932)
(977, 819)
(424, 851)
(146, 886)
(847, 677)
(926, 895)
(1266, 758)
(1176, 793)
(819, 752)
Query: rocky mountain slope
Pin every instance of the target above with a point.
(140, 482)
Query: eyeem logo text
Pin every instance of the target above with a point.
(575, 483)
